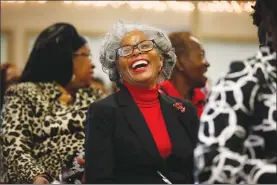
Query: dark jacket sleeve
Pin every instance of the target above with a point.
(194, 125)
(194, 121)
(99, 149)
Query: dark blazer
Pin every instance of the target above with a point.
(119, 146)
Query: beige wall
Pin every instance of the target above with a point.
(25, 20)
(228, 26)
(33, 17)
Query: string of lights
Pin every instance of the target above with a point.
(183, 6)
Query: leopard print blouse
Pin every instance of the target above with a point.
(39, 134)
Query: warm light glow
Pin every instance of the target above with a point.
(236, 6)
(150, 5)
(41, 2)
(67, 2)
(226, 6)
(101, 3)
(248, 6)
(117, 4)
(135, 4)
(83, 3)
(183, 6)
(202, 6)
(160, 7)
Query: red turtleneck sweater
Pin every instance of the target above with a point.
(149, 105)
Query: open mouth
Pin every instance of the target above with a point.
(91, 73)
(139, 65)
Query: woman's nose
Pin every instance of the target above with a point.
(136, 52)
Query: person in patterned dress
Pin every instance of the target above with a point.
(237, 134)
(43, 115)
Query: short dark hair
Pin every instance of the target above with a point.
(178, 41)
(51, 58)
(271, 5)
(4, 82)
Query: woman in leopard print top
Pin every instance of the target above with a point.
(43, 116)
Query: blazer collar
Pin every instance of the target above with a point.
(173, 118)
(176, 123)
(124, 97)
(137, 122)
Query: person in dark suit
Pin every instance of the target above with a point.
(137, 135)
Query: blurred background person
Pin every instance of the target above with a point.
(97, 82)
(134, 135)
(188, 75)
(43, 115)
(9, 76)
(237, 134)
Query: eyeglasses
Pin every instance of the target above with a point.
(89, 56)
(143, 46)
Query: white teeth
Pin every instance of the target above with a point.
(138, 63)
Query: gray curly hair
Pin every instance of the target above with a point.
(111, 42)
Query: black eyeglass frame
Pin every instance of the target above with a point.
(136, 46)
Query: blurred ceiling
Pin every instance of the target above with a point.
(183, 6)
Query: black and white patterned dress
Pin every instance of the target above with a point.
(39, 134)
(237, 134)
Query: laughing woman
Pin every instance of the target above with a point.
(137, 135)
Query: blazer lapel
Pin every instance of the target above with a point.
(137, 122)
(176, 123)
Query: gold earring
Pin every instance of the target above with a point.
(73, 77)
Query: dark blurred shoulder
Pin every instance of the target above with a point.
(104, 106)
